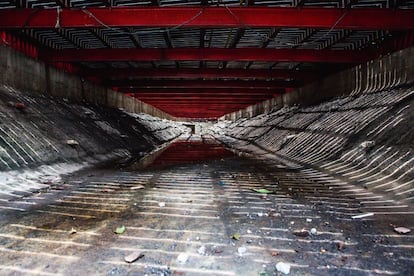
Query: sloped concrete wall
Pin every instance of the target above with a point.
(27, 74)
(393, 70)
(38, 133)
(364, 139)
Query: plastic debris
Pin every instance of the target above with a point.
(313, 231)
(402, 230)
(72, 142)
(363, 215)
(182, 258)
(262, 191)
(138, 187)
(133, 257)
(72, 231)
(308, 220)
(221, 183)
(120, 230)
(236, 236)
(161, 204)
(202, 250)
(242, 250)
(283, 267)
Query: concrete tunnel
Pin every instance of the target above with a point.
(203, 137)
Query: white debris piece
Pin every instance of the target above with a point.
(72, 142)
(367, 144)
(202, 250)
(182, 258)
(313, 231)
(363, 215)
(241, 250)
(283, 267)
(161, 204)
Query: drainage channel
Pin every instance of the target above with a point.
(200, 210)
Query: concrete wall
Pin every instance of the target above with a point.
(389, 71)
(27, 74)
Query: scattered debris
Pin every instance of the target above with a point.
(323, 250)
(218, 251)
(340, 246)
(249, 231)
(313, 231)
(20, 106)
(72, 231)
(367, 144)
(120, 230)
(202, 250)
(133, 257)
(72, 143)
(161, 204)
(301, 233)
(221, 183)
(138, 187)
(274, 253)
(107, 190)
(283, 267)
(236, 236)
(182, 258)
(402, 230)
(262, 191)
(363, 215)
(308, 220)
(241, 250)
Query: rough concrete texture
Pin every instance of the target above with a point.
(40, 130)
(364, 139)
(16, 69)
(201, 218)
(387, 72)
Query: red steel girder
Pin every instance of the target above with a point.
(199, 73)
(274, 84)
(194, 91)
(206, 54)
(209, 17)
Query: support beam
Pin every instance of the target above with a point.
(204, 73)
(167, 84)
(210, 54)
(197, 91)
(211, 17)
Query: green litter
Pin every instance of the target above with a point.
(120, 230)
(262, 191)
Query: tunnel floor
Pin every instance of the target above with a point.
(189, 217)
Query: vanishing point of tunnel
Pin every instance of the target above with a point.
(172, 137)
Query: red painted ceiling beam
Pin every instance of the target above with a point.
(209, 17)
(274, 84)
(205, 73)
(193, 91)
(206, 54)
(204, 95)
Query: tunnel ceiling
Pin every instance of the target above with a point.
(203, 59)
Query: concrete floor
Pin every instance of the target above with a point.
(194, 209)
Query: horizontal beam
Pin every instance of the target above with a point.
(204, 73)
(203, 95)
(209, 17)
(167, 84)
(206, 54)
(199, 91)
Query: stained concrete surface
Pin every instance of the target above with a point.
(194, 208)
